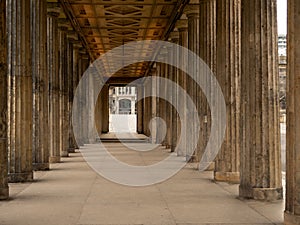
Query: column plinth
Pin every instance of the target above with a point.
(20, 177)
(291, 219)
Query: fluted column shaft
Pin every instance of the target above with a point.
(159, 137)
(82, 67)
(71, 82)
(154, 113)
(292, 208)
(75, 81)
(207, 52)
(84, 104)
(192, 12)
(174, 77)
(19, 91)
(4, 192)
(228, 75)
(182, 26)
(63, 92)
(40, 85)
(54, 82)
(260, 148)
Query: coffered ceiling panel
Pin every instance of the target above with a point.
(106, 24)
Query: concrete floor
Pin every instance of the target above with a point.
(72, 193)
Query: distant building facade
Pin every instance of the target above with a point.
(122, 100)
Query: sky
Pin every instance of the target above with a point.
(282, 16)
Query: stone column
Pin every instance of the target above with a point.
(174, 37)
(207, 52)
(84, 104)
(82, 66)
(162, 103)
(139, 106)
(153, 106)
(168, 107)
(182, 26)
(19, 91)
(40, 85)
(4, 192)
(192, 13)
(292, 207)
(71, 35)
(76, 45)
(53, 73)
(158, 105)
(63, 91)
(260, 148)
(228, 74)
(105, 108)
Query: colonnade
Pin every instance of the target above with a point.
(240, 48)
(42, 65)
(42, 60)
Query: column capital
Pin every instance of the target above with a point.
(72, 36)
(53, 11)
(192, 10)
(174, 36)
(77, 45)
(64, 24)
(182, 25)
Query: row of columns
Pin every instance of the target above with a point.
(246, 58)
(240, 47)
(44, 68)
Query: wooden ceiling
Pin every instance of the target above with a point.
(106, 24)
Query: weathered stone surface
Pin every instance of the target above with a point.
(192, 13)
(63, 92)
(40, 85)
(292, 207)
(3, 104)
(182, 26)
(20, 98)
(260, 148)
(54, 95)
(228, 75)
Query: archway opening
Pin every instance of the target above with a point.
(122, 109)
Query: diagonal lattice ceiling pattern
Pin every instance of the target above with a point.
(107, 24)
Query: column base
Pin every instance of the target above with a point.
(64, 154)
(263, 194)
(4, 193)
(173, 148)
(71, 150)
(211, 167)
(20, 177)
(291, 219)
(54, 159)
(40, 166)
(230, 177)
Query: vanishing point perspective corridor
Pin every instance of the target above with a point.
(118, 112)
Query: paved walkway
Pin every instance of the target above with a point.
(72, 193)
